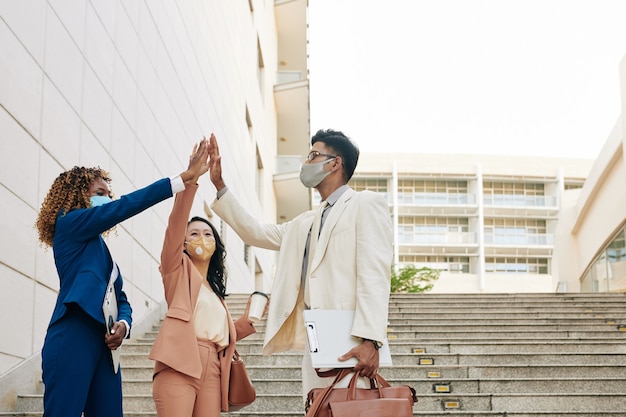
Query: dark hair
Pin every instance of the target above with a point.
(216, 276)
(343, 146)
(69, 191)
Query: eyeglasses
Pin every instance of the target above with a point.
(314, 154)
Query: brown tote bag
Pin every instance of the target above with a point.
(379, 400)
(241, 392)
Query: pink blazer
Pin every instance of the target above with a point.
(176, 345)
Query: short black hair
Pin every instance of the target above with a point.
(342, 145)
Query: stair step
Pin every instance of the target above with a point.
(463, 347)
(526, 402)
(454, 346)
(479, 355)
(488, 334)
(400, 359)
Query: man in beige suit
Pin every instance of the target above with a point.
(347, 268)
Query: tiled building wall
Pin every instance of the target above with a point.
(129, 86)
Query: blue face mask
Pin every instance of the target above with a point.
(99, 200)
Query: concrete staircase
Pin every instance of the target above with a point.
(475, 355)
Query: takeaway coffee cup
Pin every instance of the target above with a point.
(258, 300)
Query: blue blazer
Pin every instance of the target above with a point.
(82, 258)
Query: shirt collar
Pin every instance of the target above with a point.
(332, 199)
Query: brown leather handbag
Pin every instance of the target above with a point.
(241, 392)
(379, 400)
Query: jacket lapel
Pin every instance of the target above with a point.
(334, 215)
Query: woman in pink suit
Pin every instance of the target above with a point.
(194, 348)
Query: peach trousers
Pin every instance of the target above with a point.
(178, 395)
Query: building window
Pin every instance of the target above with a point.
(416, 191)
(574, 184)
(222, 231)
(608, 270)
(258, 177)
(434, 230)
(516, 194)
(522, 232)
(249, 124)
(452, 264)
(517, 265)
(432, 186)
(260, 69)
(377, 185)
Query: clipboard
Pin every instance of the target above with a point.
(109, 309)
(328, 337)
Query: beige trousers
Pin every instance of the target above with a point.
(179, 395)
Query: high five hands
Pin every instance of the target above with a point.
(198, 162)
(215, 164)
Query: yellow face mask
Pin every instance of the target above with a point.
(202, 248)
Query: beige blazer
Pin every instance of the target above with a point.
(350, 269)
(176, 345)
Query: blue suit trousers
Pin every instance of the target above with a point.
(77, 369)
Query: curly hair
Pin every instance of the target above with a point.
(70, 190)
(216, 276)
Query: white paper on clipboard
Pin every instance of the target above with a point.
(328, 337)
(109, 309)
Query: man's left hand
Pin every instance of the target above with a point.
(367, 357)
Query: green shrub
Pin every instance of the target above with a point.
(410, 279)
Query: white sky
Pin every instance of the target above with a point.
(522, 77)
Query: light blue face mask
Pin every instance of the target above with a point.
(99, 200)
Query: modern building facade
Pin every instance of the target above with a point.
(130, 86)
(486, 222)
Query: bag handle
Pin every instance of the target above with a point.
(312, 409)
(377, 382)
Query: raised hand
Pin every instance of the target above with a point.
(215, 164)
(198, 162)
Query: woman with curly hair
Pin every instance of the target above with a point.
(78, 373)
(196, 342)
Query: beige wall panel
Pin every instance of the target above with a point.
(63, 61)
(99, 52)
(44, 301)
(518, 283)
(22, 79)
(60, 127)
(97, 107)
(494, 283)
(27, 19)
(18, 171)
(16, 286)
(72, 16)
(18, 234)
